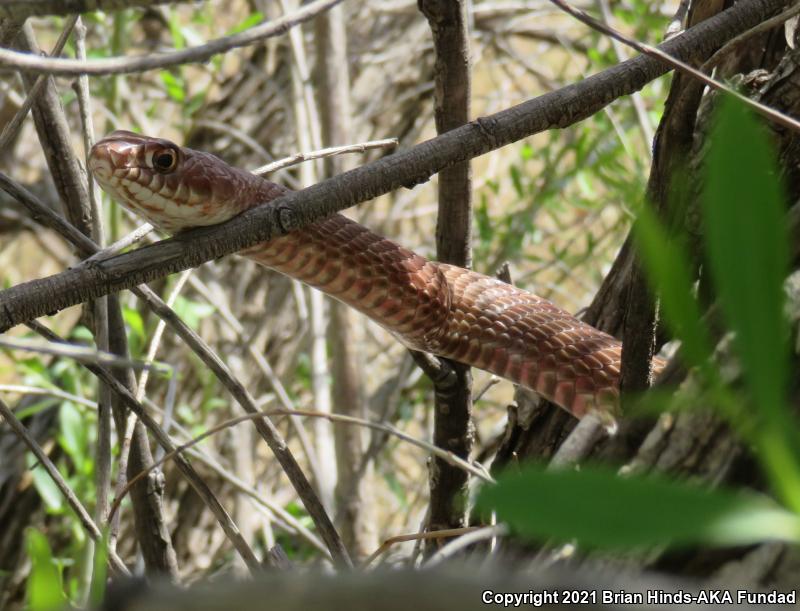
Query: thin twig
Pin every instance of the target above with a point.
(472, 468)
(103, 459)
(12, 127)
(201, 53)
(387, 143)
(493, 380)
(636, 97)
(51, 392)
(456, 545)
(134, 236)
(770, 113)
(81, 354)
(420, 536)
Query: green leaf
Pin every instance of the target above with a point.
(482, 221)
(134, 321)
(45, 486)
(192, 312)
(747, 248)
(73, 432)
(35, 408)
(516, 180)
(599, 509)
(81, 334)
(174, 85)
(175, 29)
(99, 571)
(44, 588)
(248, 23)
(668, 271)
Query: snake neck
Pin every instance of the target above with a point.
(453, 312)
(399, 289)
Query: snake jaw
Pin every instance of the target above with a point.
(125, 166)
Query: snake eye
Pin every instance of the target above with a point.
(165, 160)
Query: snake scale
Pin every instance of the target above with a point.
(443, 309)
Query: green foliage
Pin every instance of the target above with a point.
(297, 549)
(601, 509)
(136, 332)
(747, 254)
(747, 248)
(748, 258)
(247, 23)
(45, 486)
(667, 262)
(563, 201)
(174, 85)
(99, 572)
(44, 587)
(192, 312)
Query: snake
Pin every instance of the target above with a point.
(443, 309)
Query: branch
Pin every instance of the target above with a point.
(452, 402)
(408, 168)
(120, 65)
(766, 111)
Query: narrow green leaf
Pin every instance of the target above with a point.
(516, 180)
(192, 312)
(248, 23)
(174, 85)
(134, 321)
(99, 571)
(747, 249)
(73, 435)
(45, 486)
(175, 29)
(667, 268)
(44, 588)
(599, 509)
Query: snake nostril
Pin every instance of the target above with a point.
(100, 166)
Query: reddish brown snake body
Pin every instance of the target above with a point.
(443, 309)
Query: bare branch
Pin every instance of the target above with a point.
(770, 113)
(122, 65)
(388, 143)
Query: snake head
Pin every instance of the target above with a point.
(173, 187)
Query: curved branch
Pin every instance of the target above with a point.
(121, 65)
